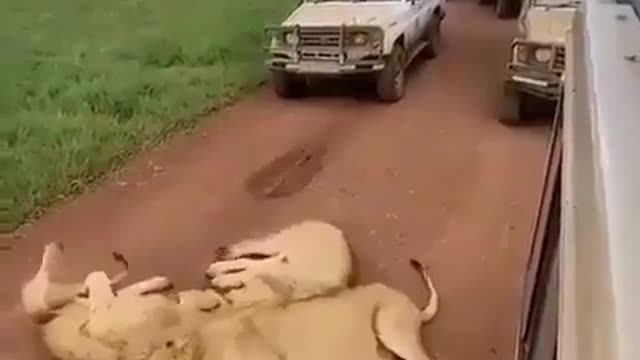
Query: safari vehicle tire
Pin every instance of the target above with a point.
(511, 108)
(505, 9)
(434, 38)
(286, 85)
(391, 81)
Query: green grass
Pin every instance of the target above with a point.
(85, 84)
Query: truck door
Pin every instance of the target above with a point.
(413, 15)
(537, 331)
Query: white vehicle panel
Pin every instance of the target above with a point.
(331, 13)
(394, 17)
(600, 291)
(548, 25)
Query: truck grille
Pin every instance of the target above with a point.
(558, 61)
(320, 55)
(325, 37)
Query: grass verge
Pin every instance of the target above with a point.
(85, 84)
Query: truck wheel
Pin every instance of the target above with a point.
(390, 82)
(434, 38)
(286, 85)
(505, 9)
(511, 107)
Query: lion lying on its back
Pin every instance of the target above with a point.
(366, 322)
(289, 315)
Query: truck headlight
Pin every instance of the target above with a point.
(291, 39)
(359, 39)
(520, 53)
(543, 55)
(277, 42)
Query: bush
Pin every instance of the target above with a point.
(84, 84)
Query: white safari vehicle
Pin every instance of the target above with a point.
(582, 287)
(341, 37)
(537, 60)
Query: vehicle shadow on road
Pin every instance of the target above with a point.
(359, 87)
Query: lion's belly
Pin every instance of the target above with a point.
(326, 330)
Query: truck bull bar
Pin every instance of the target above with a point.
(324, 43)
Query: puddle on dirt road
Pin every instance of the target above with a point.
(288, 173)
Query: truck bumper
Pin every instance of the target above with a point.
(549, 88)
(327, 68)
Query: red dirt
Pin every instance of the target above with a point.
(434, 177)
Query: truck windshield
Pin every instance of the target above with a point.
(635, 4)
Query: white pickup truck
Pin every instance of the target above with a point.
(535, 69)
(340, 37)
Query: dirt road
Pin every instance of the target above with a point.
(434, 176)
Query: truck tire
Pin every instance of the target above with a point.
(505, 9)
(390, 81)
(434, 39)
(511, 107)
(286, 85)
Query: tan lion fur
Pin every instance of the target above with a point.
(304, 260)
(366, 322)
(305, 315)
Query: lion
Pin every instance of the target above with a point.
(286, 309)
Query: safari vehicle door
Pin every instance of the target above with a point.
(537, 328)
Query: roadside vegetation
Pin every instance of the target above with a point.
(85, 84)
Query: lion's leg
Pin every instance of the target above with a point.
(50, 256)
(256, 249)
(224, 267)
(263, 289)
(99, 290)
(40, 295)
(58, 295)
(231, 281)
(151, 285)
(398, 323)
(234, 273)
